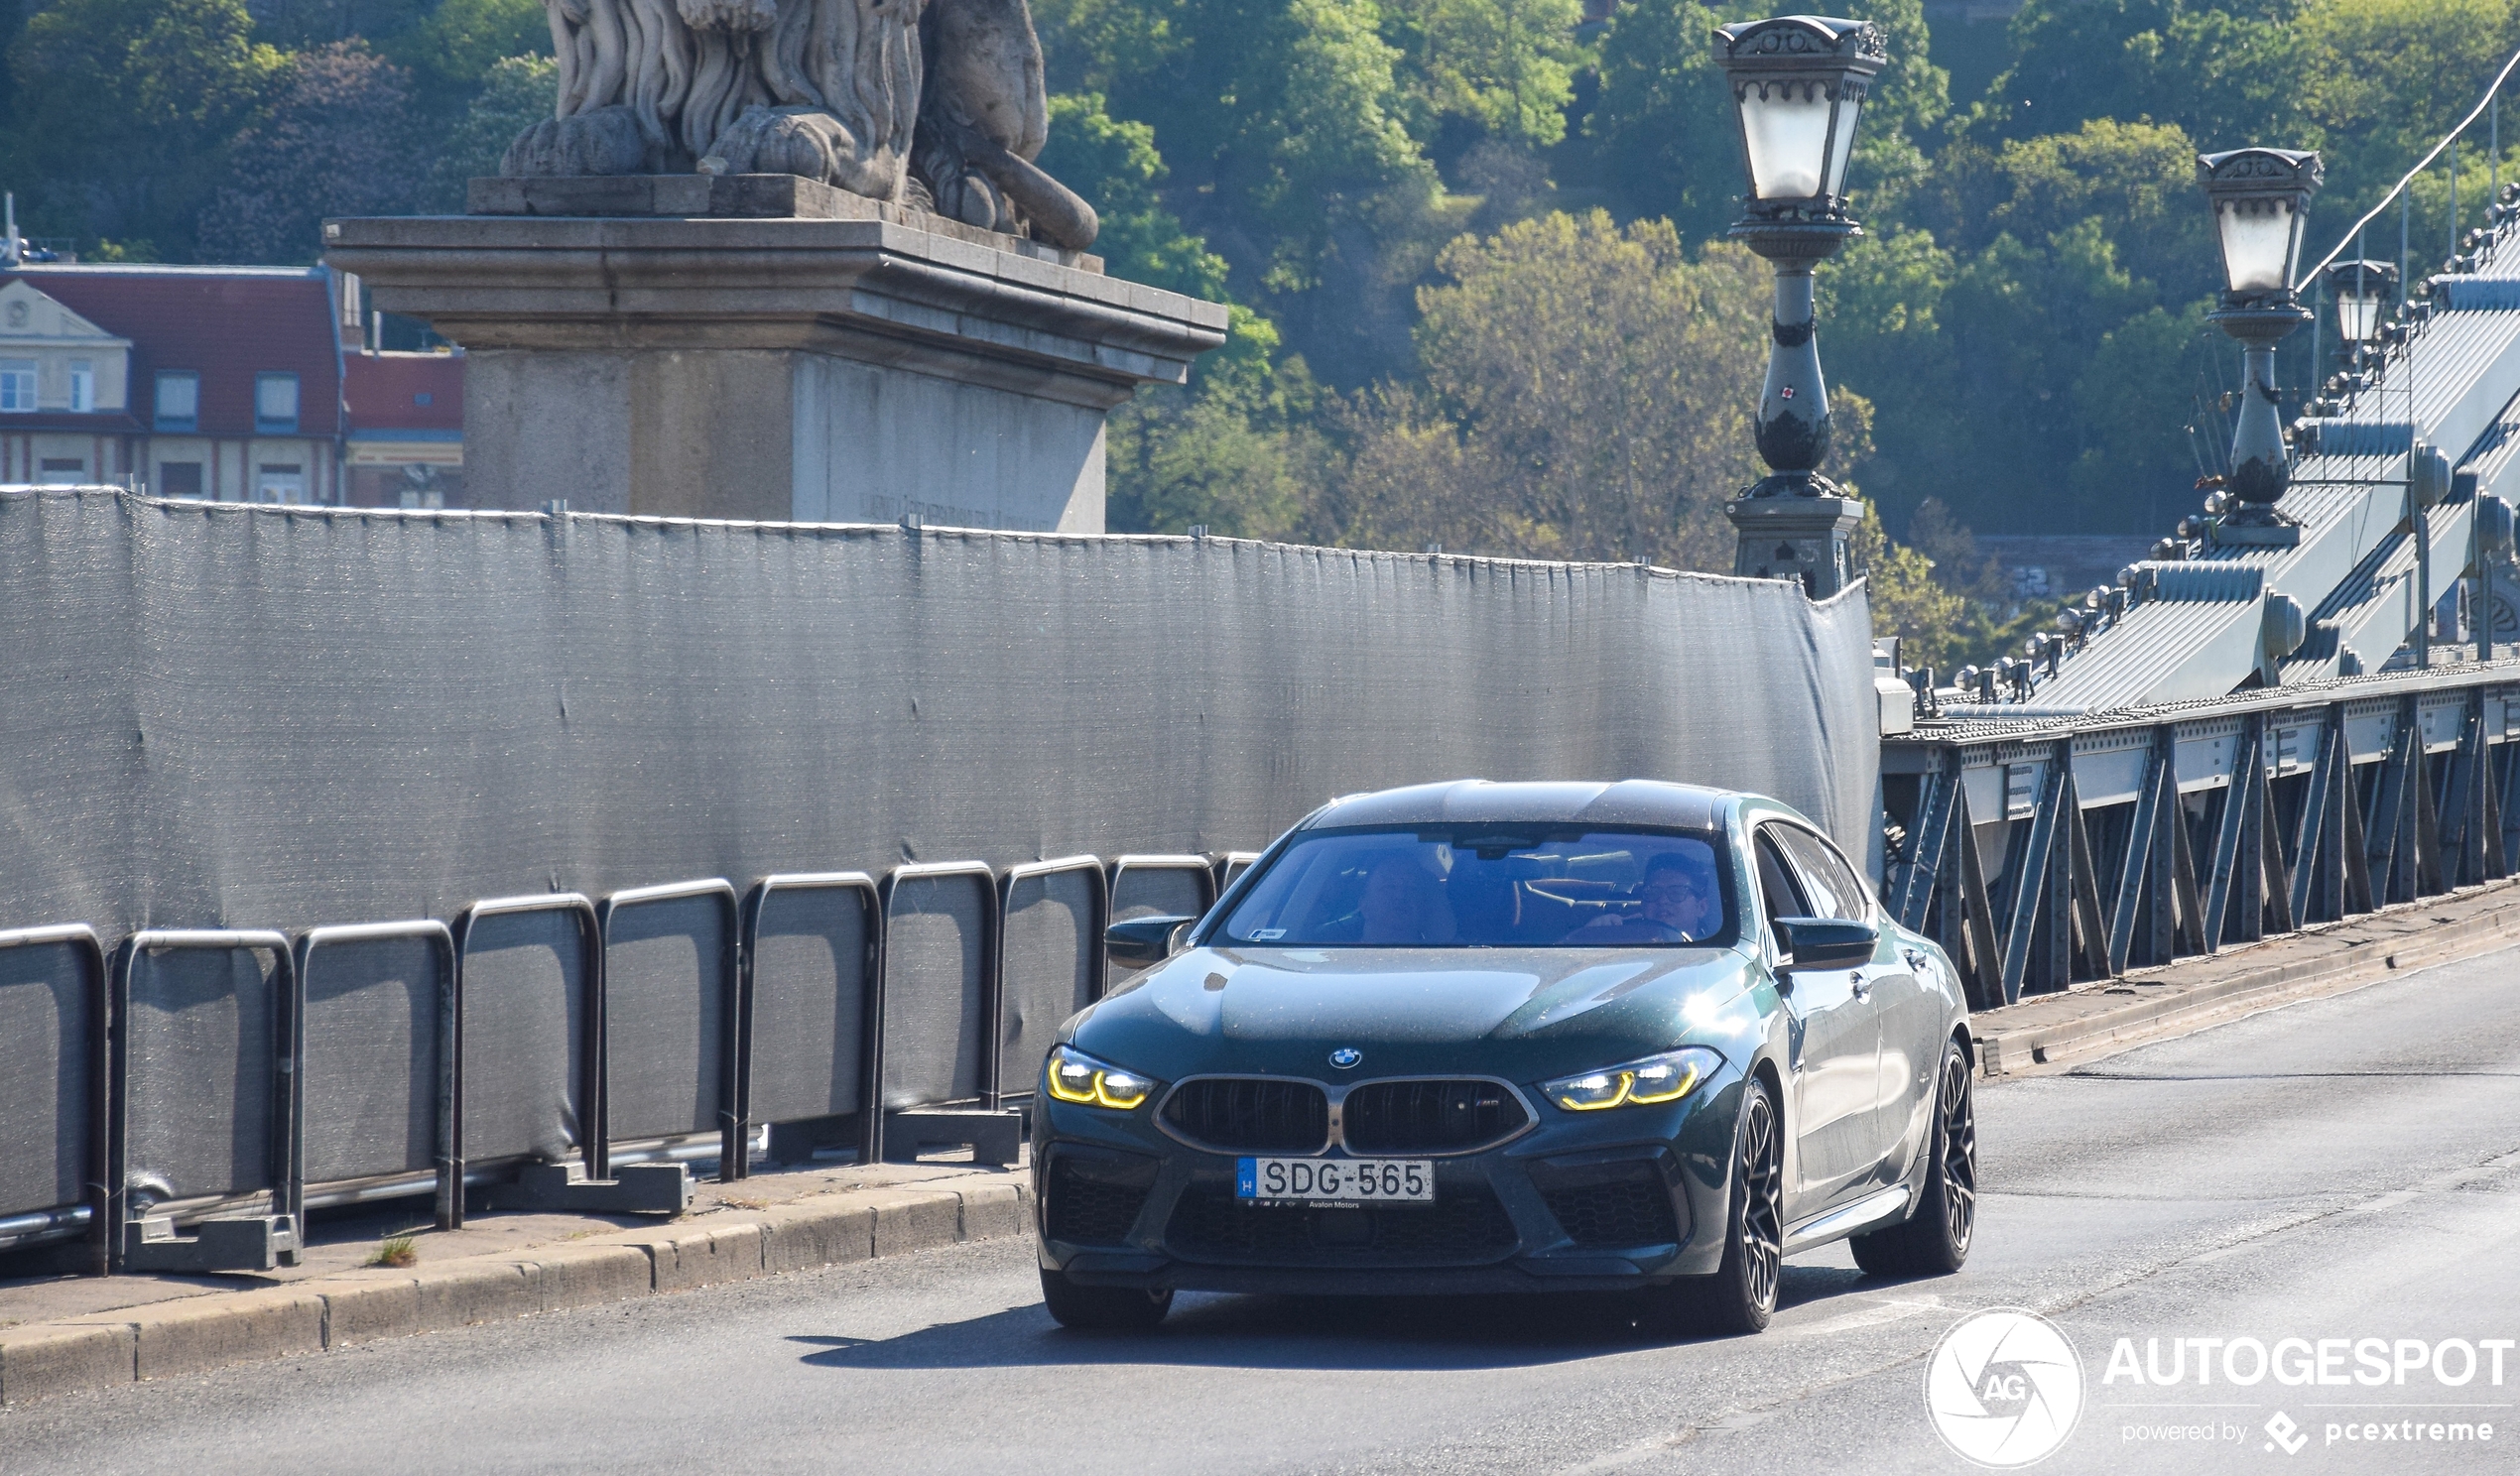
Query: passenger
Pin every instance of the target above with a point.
(1676, 905)
(1404, 904)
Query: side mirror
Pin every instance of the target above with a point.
(1142, 941)
(1814, 944)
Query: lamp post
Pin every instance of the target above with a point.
(2259, 198)
(1797, 83)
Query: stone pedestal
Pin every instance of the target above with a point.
(1796, 537)
(837, 361)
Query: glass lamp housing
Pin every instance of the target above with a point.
(2260, 198)
(2258, 243)
(2362, 289)
(1798, 84)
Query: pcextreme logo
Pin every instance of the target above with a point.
(2004, 1388)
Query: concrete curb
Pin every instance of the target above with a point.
(188, 1336)
(2330, 960)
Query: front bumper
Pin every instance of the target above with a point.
(1581, 1202)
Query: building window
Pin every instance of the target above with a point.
(82, 386)
(276, 404)
(179, 478)
(279, 482)
(17, 386)
(61, 471)
(179, 400)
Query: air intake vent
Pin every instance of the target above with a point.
(1399, 1116)
(1629, 1212)
(1245, 1114)
(1092, 1201)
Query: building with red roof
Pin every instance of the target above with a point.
(230, 383)
(405, 447)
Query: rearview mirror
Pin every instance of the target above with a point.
(1142, 941)
(1817, 943)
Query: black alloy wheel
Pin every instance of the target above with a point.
(1740, 1296)
(1102, 1308)
(1936, 1238)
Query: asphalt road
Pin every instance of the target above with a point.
(2343, 1168)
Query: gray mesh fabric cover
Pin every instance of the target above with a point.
(524, 1028)
(45, 1029)
(371, 1059)
(936, 967)
(291, 716)
(1047, 970)
(199, 1057)
(808, 1004)
(666, 986)
(1159, 892)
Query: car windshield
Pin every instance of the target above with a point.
(1489, 887)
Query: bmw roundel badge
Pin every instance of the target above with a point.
(1346, 1056)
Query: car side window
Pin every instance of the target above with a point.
(1776, 889)
(1831, 885)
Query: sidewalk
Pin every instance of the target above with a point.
(60, 1334)
(2054, 1031)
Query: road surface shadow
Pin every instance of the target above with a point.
(1424, 1333)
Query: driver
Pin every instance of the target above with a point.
(1676, 905)
(1403, 904)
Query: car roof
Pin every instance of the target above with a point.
(1629, 801)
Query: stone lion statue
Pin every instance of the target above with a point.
(933, 104)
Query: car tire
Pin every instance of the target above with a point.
(1102, 1308)
(1935, 1239)
(1740, 1296)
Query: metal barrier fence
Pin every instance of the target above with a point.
(182, 1103)
(2045, 851)
(55, 1101)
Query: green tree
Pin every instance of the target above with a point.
(1883, 336)
(2132, 401)
(1116, 164)
(1506, 66)
(1299, 132)
(335, 140)
(1584, 397)
(1663, 137)
(124, 110)
(449, 52)
(1931, 620)
(516, 93)
(2383, 80)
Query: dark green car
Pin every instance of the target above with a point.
(1474, 1037)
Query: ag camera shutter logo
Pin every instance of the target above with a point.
(2004, 1388)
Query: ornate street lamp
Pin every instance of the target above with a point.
(1797, 83)
(2362, 289)
(2260, 198)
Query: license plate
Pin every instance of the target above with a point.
(1334, 1180)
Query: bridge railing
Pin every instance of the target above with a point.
(2047, 851)
(185, 1080)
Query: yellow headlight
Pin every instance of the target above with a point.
(1594, 1092)
(1121, 1089)
(1070, 1076)
(1072, 1079)
(1641, 1084)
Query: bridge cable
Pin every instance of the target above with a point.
(2491, 94)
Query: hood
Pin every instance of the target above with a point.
(1517, 1012)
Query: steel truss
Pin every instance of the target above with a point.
(2047, 852)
